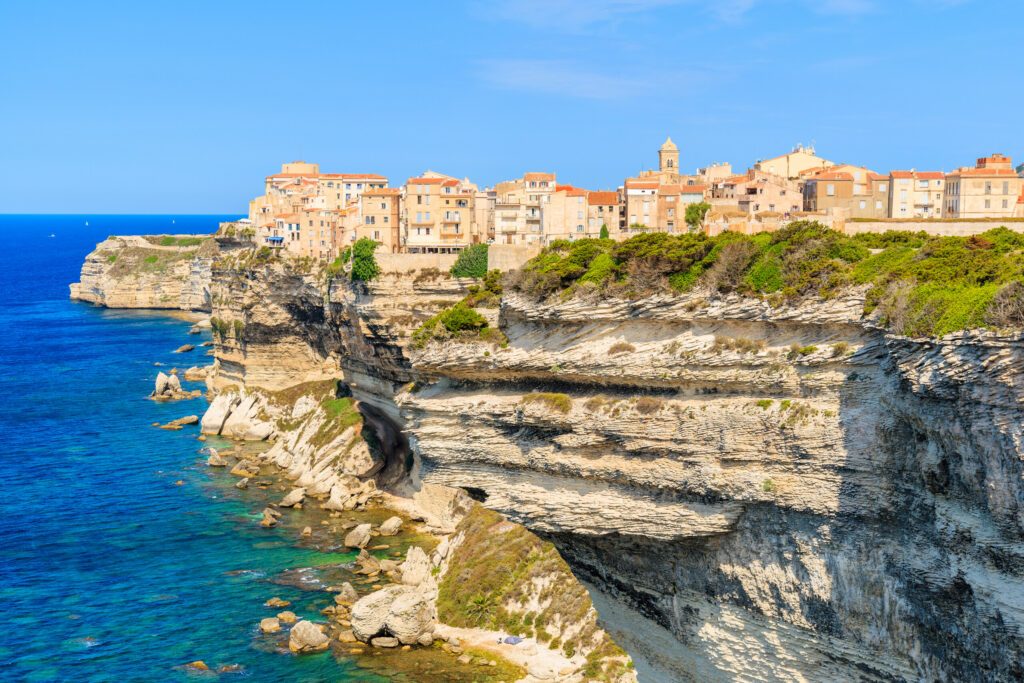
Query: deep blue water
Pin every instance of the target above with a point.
(109, 569)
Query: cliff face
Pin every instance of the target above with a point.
(136, 272)
(752, 493)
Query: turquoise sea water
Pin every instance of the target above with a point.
(110, 570)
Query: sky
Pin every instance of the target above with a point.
(185, 107)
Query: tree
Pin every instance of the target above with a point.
(604, 232)
(472, 262)
(364, 265)
(695, 214)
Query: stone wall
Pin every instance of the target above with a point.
(506, 257)
(935, 227)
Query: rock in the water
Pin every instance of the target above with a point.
(268, 520)
(270, 625)
(215, 460)
(391, 526)
(358, 537)
(307, 637)
(384, 641)
(416, 567)
(245, 469)
(307, 532)
(276, 602)
(168, 388)
(287, 617)
(398, 610)
(347, 593)
(367, 564)
(185, 348)
(242, 483)
(181, 422)
(198, 665)
(293, 498)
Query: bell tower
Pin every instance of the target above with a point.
(668, 157)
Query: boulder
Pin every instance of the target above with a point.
(367, 564)
(217, 413)
(185, 348)
(307, 532)
(307, 637)
(295, 497)
(287, 617)
(396, 610)
(391, 526)
(245, 469)
(358, 537)
(347, 593)
(215, 460)
(416, 567)
(384, 641)
(268, 520)
(339, 496)
(270, 625)
(276, 602)
(242, 483)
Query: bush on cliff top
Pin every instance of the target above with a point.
(919, 284)
(472, 262)
(364, 265)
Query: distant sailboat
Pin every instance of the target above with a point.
(52, 235)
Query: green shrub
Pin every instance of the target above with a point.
(450, 322)
(620, 347)
(151, 259)
(472, 262)
(695, 214)
(364, 265)
(239, 328)
(604, 231)
(560, 402)
(768, 486)
(765, 403)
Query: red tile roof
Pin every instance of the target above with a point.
(538, 176)
(354, 176)
(603, 198)
(382, 190)
(643, 184)
(425, 181)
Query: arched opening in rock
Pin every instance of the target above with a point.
(385, 439)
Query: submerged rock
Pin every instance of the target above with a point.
(276, 602)
(215, 460)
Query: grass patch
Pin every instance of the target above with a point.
(494, 569)
(472, 262)
(765, 403)
(559, 402)
(620, 347)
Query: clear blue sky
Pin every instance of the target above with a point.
(185, 106)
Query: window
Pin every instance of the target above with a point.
(988, 204)
(1005, 204)
(1006, 189)
(863, 204)
(903, 195)
(579, 215)
(878, 205)
(376, 235)
(830, 190)
(988, 187)
(882, 187)
(579, 228)
(383, 205)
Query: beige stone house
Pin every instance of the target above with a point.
(916, 194)
(379, 217)
(438, 215)
(988, 190)
(603, 210)
(794, 163)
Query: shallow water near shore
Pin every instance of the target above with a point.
(123, 556)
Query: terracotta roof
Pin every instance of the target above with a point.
(425, 181)
(643, 184)
(538, 176)
(450, 183)
(293, 175)
(985, 172)
(694, 189)
(832, 175)
(603, 198)
(920, 175)
(382, 190)
(877, 176)
(364, 176)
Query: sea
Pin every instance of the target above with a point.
(122, 556)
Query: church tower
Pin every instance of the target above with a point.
(668, 157)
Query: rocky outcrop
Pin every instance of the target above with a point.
(402, 612)
(750, 492)
(306, 637)
(139, 272)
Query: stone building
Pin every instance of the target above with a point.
(988, 190)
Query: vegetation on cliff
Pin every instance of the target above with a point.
(472, 262)
(461, 322)
(364, 266)
(502, 577)
(918, 284)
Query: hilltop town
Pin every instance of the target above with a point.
(309, 213)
